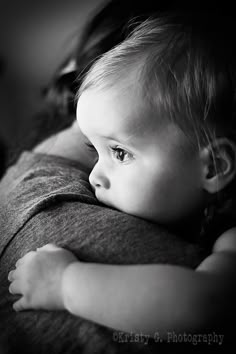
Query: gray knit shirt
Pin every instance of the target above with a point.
(46, 199)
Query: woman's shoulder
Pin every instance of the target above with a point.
(36, 183)
(69, 143)
(32, 164)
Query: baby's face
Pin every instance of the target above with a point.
(141, 163)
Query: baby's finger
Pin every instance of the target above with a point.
(17, 273)
(11, 275)
(21, 304)
(15, 287)
(19, 262)
(48, 247)
(26, 257)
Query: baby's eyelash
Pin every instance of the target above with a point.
(90, 146)
(121, 154)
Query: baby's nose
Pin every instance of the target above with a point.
(98, 179)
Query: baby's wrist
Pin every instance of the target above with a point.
(78, 291)
(69, 297)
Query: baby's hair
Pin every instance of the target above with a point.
(185, 67)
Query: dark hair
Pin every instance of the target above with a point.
(106, 28)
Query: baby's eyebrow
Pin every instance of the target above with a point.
(120, 138)
(125, 136)
(128, 141)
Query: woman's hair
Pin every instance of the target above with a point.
(185, 68)
(109, 26)
(106, 28)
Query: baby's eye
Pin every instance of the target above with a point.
(121, 154)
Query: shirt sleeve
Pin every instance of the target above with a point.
(44, 199)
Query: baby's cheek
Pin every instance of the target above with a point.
(134, 200)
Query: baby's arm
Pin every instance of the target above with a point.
(150, 298)
(138, 298)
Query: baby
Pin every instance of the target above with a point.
(158, 114)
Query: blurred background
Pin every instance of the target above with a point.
(35, 37)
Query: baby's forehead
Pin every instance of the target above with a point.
(119, 110)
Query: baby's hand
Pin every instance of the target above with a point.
(38, 278)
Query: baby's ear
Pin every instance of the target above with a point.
(219, 164)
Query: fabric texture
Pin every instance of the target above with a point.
(46, 199)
